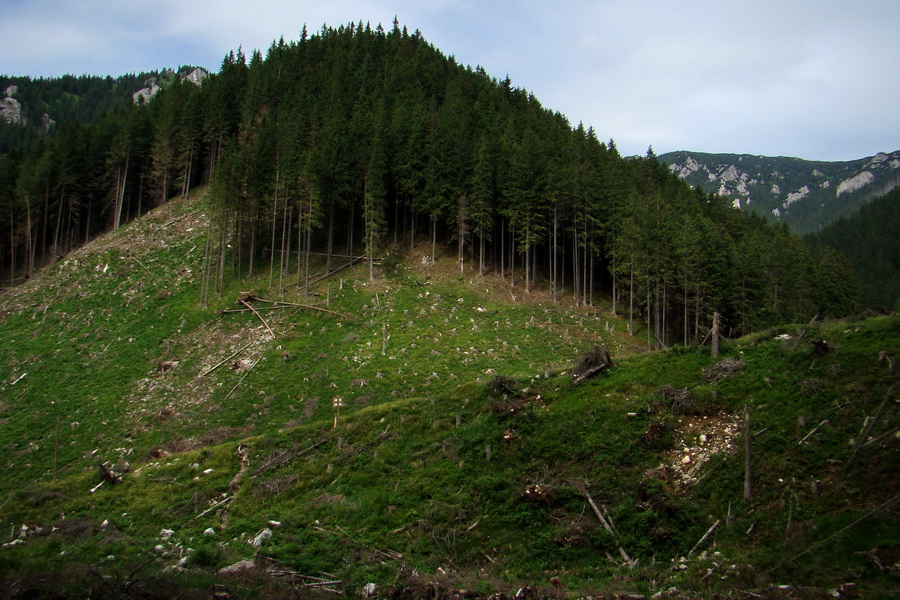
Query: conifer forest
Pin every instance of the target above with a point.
(356, 141)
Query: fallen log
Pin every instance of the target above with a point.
(241, 300)
(603, 521)
(705, 536)
(230, 356)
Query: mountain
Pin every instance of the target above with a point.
(806, 195)
(868, 240)
(34, 109)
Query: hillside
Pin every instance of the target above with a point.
(436, 477)
(806, 195)
(868, 240)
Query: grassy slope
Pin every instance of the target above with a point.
(428, 470)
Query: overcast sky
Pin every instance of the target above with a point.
(816, 79)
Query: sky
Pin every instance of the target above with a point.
(814, 79)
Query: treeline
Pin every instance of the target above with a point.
(355, 139)
(868, 240)
(83, 99)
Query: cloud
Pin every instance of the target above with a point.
(809, 77)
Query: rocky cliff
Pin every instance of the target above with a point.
(804, 194)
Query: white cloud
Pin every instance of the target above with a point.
(809, 77)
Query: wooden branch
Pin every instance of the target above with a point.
(333, 271)
(606, 525)
(166, 224)
(108, 475)
(311, 307)
(245, 310)
(241, 300)
(853, 524)
(748, 489)
(210, 509)
(236, 352)
(705, 535)
(277, 304)
(814, 429)
(864, 433)
(284, 457)
(880, 438)
(241, 380)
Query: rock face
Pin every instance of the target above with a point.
(10, 108)
(805, 195)
(143, 95)
(196, 76)
(856, 182)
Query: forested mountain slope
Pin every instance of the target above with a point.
(354, 139)
(868, 239)
(34, 109)
(806, 195)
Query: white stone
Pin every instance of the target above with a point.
(209, 531)
(261, 538)
(794, 196)
(238, 567)
(855, 183)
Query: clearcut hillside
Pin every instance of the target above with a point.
(423, 433)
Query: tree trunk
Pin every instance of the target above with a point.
(59, 214)
(330, 238)
(748, 491)
(308, 248)
(433, 239)
(576, 291)
(274, 220)
(285, 251)
(481, 254)
(29, 261)
(715, 336)
(527, 261)
(12, 245)
(631, 300)
(502, 251)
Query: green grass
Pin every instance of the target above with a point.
(428, 470)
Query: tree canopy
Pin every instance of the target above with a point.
(369, 138)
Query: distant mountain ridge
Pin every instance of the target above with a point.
(806, 195)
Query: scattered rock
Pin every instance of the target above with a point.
(238, 567)
(261, 538)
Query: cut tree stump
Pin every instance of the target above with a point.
(591, 364)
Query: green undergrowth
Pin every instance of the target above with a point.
(462, 449)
